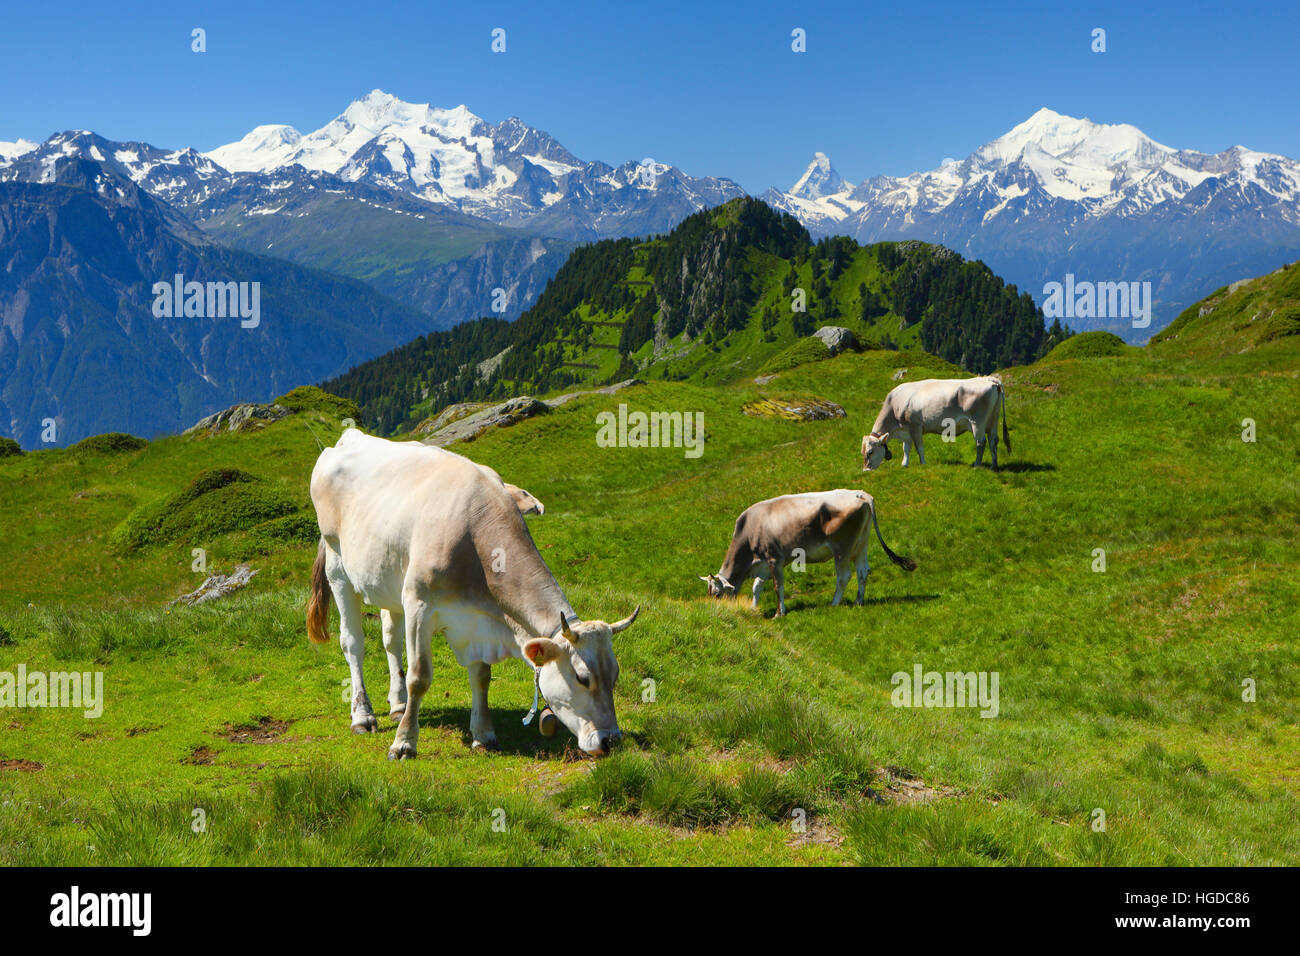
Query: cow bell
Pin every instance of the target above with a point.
(547, 723)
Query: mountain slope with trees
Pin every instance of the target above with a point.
(711, 301)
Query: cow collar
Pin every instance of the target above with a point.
(537, 695)
(537, 675)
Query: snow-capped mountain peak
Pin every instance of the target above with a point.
(508, 172)
(1057, 194)
(15, 149)
(262, 148)
(819, 179)
(1104, 167)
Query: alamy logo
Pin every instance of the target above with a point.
(1098, 300)
(923, 688)
(55, 689)
(211, 300)
(75, 908)
(652, 430)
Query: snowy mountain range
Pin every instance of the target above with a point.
(1058, 195)
(508, 173)
(436, 208)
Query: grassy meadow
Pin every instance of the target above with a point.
(225, 734)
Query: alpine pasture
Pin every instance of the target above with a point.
(1124, 692)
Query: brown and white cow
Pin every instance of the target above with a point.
(816, 526)
(439, 543)
(938, 406)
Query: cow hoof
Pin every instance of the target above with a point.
(487, 745)
(397, 714)
(365, 725)
(401, 751)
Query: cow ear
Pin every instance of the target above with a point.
(541, 651)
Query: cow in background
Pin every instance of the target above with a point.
(821, 525)
(932, 407)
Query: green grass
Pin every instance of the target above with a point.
(1120, 691)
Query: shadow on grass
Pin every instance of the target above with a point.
(793, 605)
(1015, 467)
(513, 737)
(1019, 467)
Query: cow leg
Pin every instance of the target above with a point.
(843, 571)
(907, 451)
(918, 440)
(394, 623)
(480, 720)
(979, 443)
(352, 639)
(758, 590)
(778, 577)
(419, 629)
(863, 568)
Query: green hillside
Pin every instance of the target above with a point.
(1240, 316)
(1121, 690)
(711, 302)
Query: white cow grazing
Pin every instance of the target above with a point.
(438, 542)
(932, 407)
(364, 720)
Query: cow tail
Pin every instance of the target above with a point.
(318, 607)
(1002, 400)
(907, 564)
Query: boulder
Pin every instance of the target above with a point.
(797, 408)
(465, 422)
(239, 418)
(217, 586)
(836, 338)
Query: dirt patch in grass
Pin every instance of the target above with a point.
(816, 833)
(137, 731)
(201, 757)
(897, 785)
(18, 763)
(265, 730)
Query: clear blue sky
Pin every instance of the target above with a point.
(883, 87)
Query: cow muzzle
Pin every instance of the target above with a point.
(599, 743)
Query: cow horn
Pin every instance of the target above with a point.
(564, 629)
(624, 624)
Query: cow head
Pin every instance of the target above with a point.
(875, 450)
(576, 673)
(718, 585)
